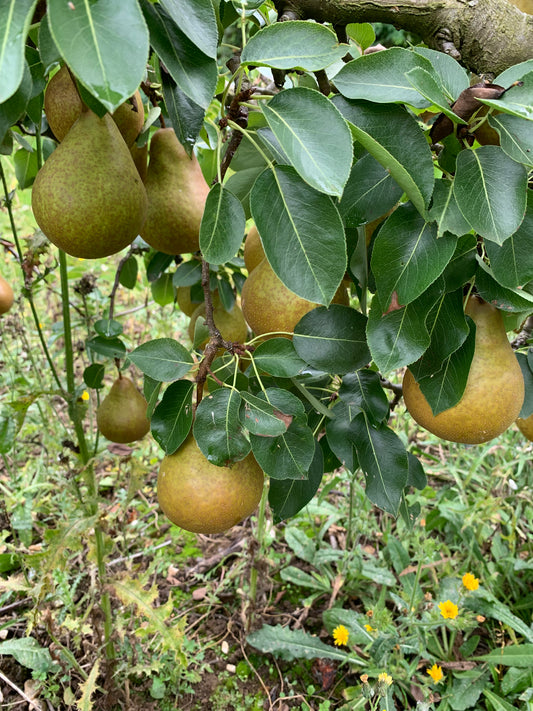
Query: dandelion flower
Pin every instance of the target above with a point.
(470, 581)
(435, 673)
(85, 395)
(385, 678)
(340, 635)
(448, 610)
(369, 628)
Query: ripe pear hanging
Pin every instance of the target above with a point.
(177, 191)
(121, 416)
(6, 295)
(88, 198)
(494, 391)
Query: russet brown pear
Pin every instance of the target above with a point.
(121, 416)
(204, 498)
(6, 295)
(88, 197)
(269, 306)
(525, 425)
(177, 191)
(253, 249)
(494, 391)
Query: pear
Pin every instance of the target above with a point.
(201, 497)
(231, 324)
(525, 425)
(121, 416)
(253, 249)
(183, 297)
(6, 295)
(177, 192)
(63, 106)
(269, 306)
(139, 155)
(494, 391)
(88, 198)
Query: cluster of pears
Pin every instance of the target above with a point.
(6, 295)
(88, 198)
(121, 416)
(494, 391)
(269, 307)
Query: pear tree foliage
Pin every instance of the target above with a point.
(315, 140)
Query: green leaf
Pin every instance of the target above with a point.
(490, 189)
(362, 391)
(302, 234)
(223, 226)
(186, 115)
(399, 337)
(196, 19)
(88, 688)
(218, 430)
(370, 192)
(193, 71)
(383, 459)
(338, 433)
(519, 655)
(516, 137)
(93, 376)
(188, 273)
(28, 652)
(518, 100)
(163, 291)
(462, 266)
(362, 34)
(504, 298)
(407, 256)
(94, 39)
(484, 603)
(287, 496)
(108, 328)
(332, 339)
(426, 84)
(107, 347)
(15, 107)
(527, 407)
(297, 118)
(445, 211)
(296, 644)
(381, 77)
(172, 418)
(404, 150)
(261, 418)
(451, 75)
(151, 390)
(293, 45)
(50, 55)
(163, 359)
(129, 272)
(498, 704)
(288, 456)
(15, 19)
(26, 166)
(278, 357)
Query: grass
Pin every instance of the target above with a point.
(183, 620)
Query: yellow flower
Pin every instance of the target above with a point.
(435, 673)
(369, 628)
(470, 582)
(448, 610)
(364, 678)
(340, 635)
(384, 678)
(85, 395)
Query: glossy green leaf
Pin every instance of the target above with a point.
(338, 433)
(445, 388)
(223, 226)
(288, 496)
(452, 77)
(26, 166)
(107, 347)
(293, 45)
(151, 390)
(157, 265)
(288, 456)
(302, 233)
(218, 430)
(109, 328)
(383, 459)
(332, 339)
(407, 256)
(95, 38)
(463, 265)
(370, 192)
(129, 272)
(297, 118)
(517, 101)
(445, 211)
(187, 273)
(15, 19)
(362, 34)
(163, 291)
(163, 359)
(50, 55)
(278, 357)
(362, 391)
(15, 107)
(427, 84)
(93, 376)
(403, 151)
(527, 407)
(186, 116)
(399, 337)
(193, 71)
(381, 77)
(516, 137)
(261, 418)
(512, 261)
(504, 298)
(172, 418)
(490, 189)
(196, 19)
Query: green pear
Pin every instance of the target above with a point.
(494, 391)
(231, 324)
(63, 106)
(270, 307)
(177, 192)
(121, 416)
(6, 295)
(88, 198)
(525, 425)
(253, 249)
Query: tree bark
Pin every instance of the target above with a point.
(486, 36)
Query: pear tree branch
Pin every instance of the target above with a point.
(486, 36)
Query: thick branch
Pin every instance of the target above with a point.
(487, 36)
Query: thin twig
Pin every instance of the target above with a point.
(525, 334)
(20, 692)
(116, 283)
